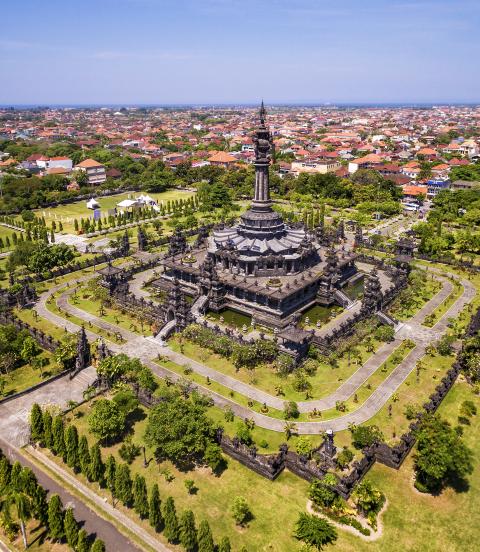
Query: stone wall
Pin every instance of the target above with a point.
(45, 341)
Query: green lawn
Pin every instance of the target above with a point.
(422, 523)
(213, 499)
(324, 382)
(66, 213)
(21, 378)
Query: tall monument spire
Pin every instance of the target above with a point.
(263, 145)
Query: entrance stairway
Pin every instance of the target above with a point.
(343, 299)
(198, 307)
(387, 319)
(165, 331)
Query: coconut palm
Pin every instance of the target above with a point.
(21, 503)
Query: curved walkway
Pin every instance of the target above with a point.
(147, 349)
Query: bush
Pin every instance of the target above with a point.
(314, 531)
(364, 436)
(290, 410)
(344, 458)
(243, 433)
(468, 409)
(241, 511)
(129, 451)
(385, 333)
(321, 491)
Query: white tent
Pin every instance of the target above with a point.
(93, 204)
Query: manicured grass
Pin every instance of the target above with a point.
(110, 314)
(21, 378)
(435, 316)
(270, 501)
(7, 232)
(422, 523)
(66, 213)
(422, 295)
(324, 382)
(412, 391)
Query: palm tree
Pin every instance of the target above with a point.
(22, 504)
(290, 428)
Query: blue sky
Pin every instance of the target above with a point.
(229, 51)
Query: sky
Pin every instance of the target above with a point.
(239, 51)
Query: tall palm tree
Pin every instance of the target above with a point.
(22, 505)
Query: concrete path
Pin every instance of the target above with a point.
(14, 413)
(147, 349)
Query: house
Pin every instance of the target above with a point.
(222, 159)
(59, 162)
(96, 172)
(314, 166)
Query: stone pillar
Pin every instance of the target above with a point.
(329, 446)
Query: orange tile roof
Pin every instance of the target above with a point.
(222, 157)
(89, 163)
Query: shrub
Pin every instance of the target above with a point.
(344, 458)
(129, 451)
(321, 491)
(290, 410)
(364, 436)
(241, 511)
(314, 531)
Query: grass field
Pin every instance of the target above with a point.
(412, 521)
(324, 382)
(66, 213)
(21, 378)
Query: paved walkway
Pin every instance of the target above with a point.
(15, 413)
(148, 348)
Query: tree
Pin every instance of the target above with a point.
(123, 484)
(47, 430)
(188, 531)
(365, 436)
(36, 424)
(70, 527)
(224, 545)
(368, 499)
(179, 429)
(213, 457)
(98, 546)
(441, 454)
(241, 511)
(290, 410)
(58, 436)
(84, 460)
(140, 497)
(30, 349)
(106, 421)
(304, 446)
(82, 542)
(321, 491)
(314, 531)
(22, 504)
(154, 509)
(169, 514)
(15, 481)
(97, 468)
(40, 504)
(110, 473)
(205, 538)
(71, 446)
(55, 518)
